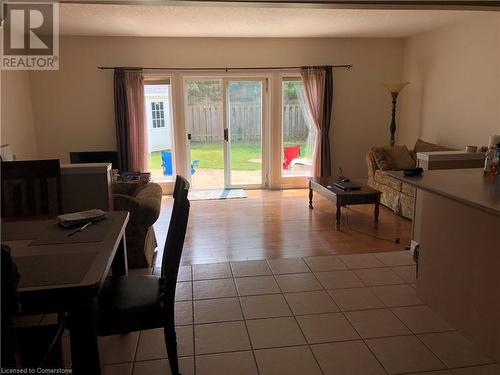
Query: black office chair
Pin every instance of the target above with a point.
(134, 303)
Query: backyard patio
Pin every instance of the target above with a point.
(204, 123)
(246, 163)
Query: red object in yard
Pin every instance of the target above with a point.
(291, 152)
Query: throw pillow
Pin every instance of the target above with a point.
(380, 158)
(399, 157)
(422, 146)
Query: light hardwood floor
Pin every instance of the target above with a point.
(278, 224)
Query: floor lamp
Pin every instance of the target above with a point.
(394, 89)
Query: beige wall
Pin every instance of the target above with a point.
(453, 99)
(17, 126)
(454, 95)
(74, 106)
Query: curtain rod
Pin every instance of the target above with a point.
(226, 69)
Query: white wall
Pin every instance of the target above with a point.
(74, 106)
(454, 95)
(17, 125)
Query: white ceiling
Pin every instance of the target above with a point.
(248, 21)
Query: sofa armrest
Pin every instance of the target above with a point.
(149, 197)
(124, 202)
(370, 163)
(125, 188)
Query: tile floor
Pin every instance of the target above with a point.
(346, 315)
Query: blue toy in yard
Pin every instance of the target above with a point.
(194, 164)
(166, 159)
(166, 162)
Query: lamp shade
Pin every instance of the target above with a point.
(395, 86)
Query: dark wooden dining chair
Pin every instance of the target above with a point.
(27, 346)
(9, 308)
(134, 303)
(31, 188)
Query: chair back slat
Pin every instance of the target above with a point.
(31, 188)
(175, 238)
(44, 195)
(180, 187)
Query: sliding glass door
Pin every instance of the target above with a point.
(224, 119)
(244, 122)
(204, 100)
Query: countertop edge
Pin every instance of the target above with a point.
(417, 182)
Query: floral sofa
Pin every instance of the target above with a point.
(396, 195)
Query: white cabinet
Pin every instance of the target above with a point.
(450, 160)
(86, 186)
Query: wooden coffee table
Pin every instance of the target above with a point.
(325, 187)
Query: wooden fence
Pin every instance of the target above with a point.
(205, 122)
(295, 128)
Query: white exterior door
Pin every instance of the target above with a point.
(158, 117)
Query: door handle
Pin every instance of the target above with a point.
(189, 136)
(226, 134)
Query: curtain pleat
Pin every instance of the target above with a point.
(138, 141)
(318, 90)
(121, 119)
(130, 117)
(326, 158)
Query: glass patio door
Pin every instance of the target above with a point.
(224, 124)
(244, 114)
(204, 112)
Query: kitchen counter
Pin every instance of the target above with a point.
(468, 186)
(455, 229)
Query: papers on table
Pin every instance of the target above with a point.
(81, 217)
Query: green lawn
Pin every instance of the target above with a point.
(155, 160)
(245, 156)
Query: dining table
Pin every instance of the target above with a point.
(63, 273)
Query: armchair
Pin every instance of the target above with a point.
(143, 202)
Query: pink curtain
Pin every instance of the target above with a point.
(138, 137)
(319, 94)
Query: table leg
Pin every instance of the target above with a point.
(119, 265)
(310, 196)
(83, 338)
(339, 214)
(377, 203)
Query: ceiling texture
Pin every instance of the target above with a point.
(249, 20)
